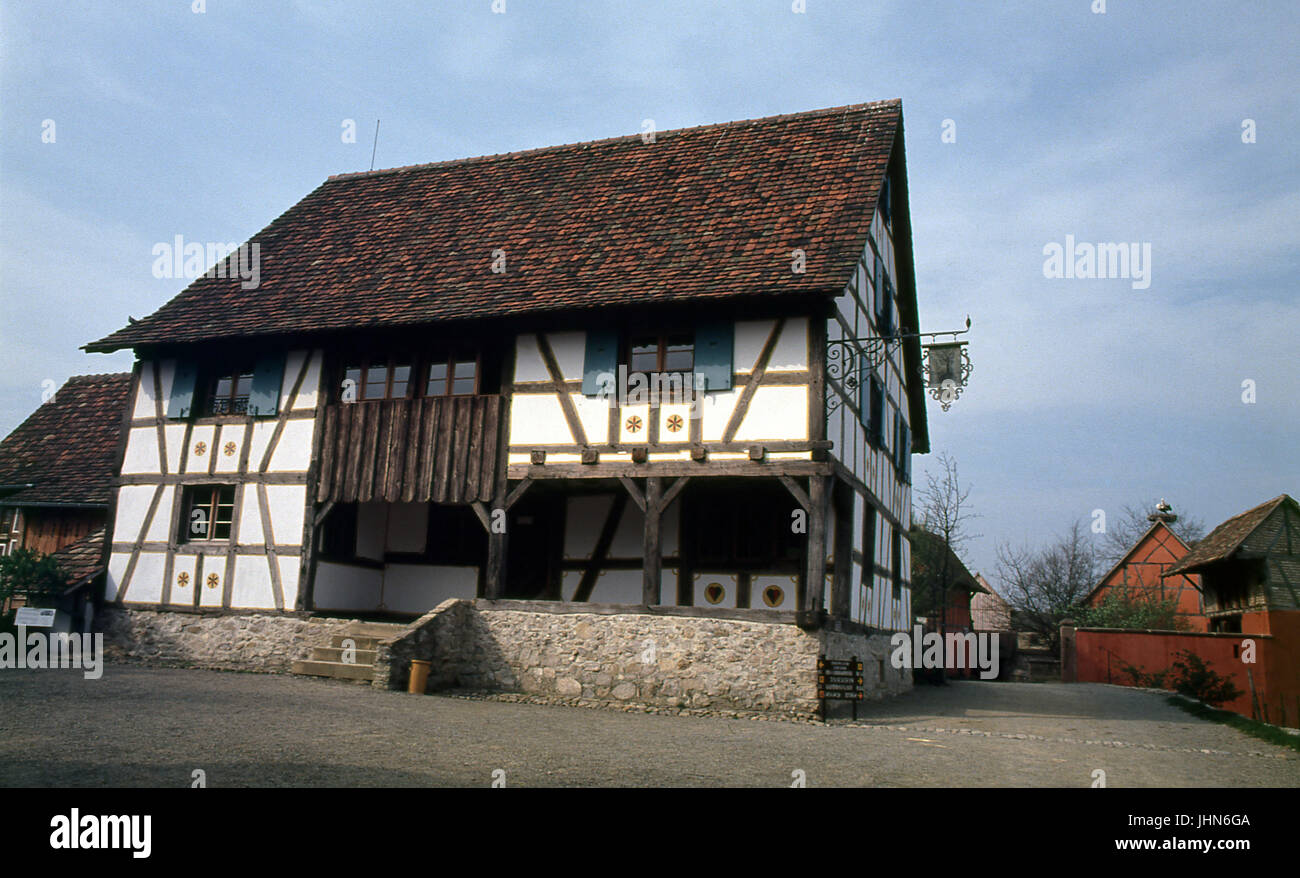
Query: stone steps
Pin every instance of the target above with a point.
(337, 670)
(363, 638)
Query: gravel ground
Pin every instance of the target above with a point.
(141, 726)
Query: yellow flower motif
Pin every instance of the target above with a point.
(213, 580)
(633, 424)
(230, 448)
(200, 448)
(674, 423)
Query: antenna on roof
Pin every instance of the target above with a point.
(375, 147)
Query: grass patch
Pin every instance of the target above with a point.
(1254, 728)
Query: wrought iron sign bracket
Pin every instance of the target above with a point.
(945, 365)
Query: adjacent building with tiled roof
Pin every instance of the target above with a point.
(1144, 573)
(609, 372)
(57, 467)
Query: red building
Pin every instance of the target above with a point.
(1141, 574)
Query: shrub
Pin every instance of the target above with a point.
(1192, 676)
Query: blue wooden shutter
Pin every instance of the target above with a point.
(268, 374)
(600, 357)
(181, 403)
(713, 354)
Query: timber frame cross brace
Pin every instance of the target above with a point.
(653, 501)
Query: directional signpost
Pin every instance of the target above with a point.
(839, 680)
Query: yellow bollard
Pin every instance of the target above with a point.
(419, 676)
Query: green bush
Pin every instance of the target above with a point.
(37, 576)
(1119, 610)
(1191, 676)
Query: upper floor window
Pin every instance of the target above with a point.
(209, 511)
(446, 372)
(377, 378)
(666, 359)
(229, 389)
(454, 373)
(868, 546)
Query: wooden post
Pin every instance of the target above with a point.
(815, 588)
(652, 544)
(494, 583)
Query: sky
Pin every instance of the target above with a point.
(1170, 124)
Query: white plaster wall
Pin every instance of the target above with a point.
(251, 588)
(288, 504)
(141, 451)
(183, 595)
(750, 336)
(529, 365)
(146, 581)
(293, 451)
(537, 419)
(776, 412)
(569, 349)
(144, 399)
(345, 587)
(161, 525)
(593, 412)
(418, 588)
(791, 351)
(132, 506)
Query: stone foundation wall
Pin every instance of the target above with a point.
(266, 642)
(634, 658)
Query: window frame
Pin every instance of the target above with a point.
(188, 496)
(661, 337)
(417, 381)
(451, 356)
(233, 370)
(896, 571)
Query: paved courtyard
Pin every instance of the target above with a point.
(142, 726)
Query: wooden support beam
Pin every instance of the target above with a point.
(484, 517)
(494, 579)
(637, 497)
(799, 495)
(652, 544)
(517, 492)
(671, 494)
(815, 587)
(323, 513)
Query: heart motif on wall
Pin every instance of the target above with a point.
(714, 593)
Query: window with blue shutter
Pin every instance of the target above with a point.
(600, 361)
(714, 351)
(181, 402)
(268, 374)
(874, 410)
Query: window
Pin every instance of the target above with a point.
(896, 562)
(885, 305)
(875, 414)
(228, 391)
(10, 526)
(452, 374)
(377, 378)
(869, 546)
(402, 376)
(660, 356)
(886, 203)
(903, 449)
(209, 512)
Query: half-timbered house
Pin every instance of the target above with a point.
(594, 373)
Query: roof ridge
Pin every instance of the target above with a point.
(97, 376)
(605, 141)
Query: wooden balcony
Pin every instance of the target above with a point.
(441, 450)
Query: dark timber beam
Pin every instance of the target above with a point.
(652, 544)
(815, 590)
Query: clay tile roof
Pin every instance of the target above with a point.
(66, 450)
(82, 559)
(700, 214)
(1227, 537)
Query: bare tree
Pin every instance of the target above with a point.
(1126, 528)
(945, 512)
(1045, 586)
